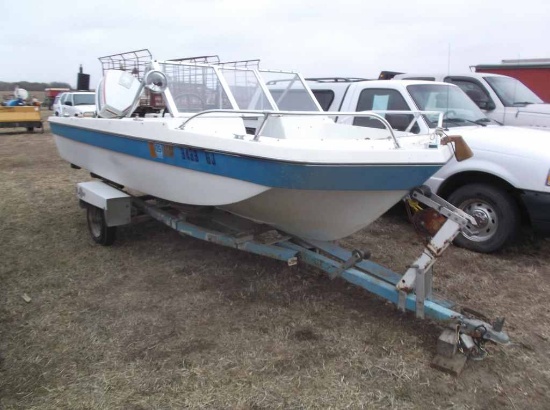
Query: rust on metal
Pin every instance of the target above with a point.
(428, 221)
(435, 251)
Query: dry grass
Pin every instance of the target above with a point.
(159, 321)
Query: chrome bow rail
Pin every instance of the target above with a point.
(267, 114)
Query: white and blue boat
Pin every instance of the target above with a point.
(253, 142)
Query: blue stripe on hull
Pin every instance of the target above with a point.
(272, 173)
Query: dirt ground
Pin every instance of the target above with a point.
(160, 321)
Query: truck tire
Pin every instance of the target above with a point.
(495, 211)
(99, 231)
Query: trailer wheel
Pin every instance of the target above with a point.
(495, 211)
(30, 129)
(100, 232)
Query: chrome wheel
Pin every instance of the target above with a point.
(485, 216)
(495, 211)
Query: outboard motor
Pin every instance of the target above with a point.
(118, 92)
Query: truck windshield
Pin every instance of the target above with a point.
(84, 99)
(458, 109)
(512, 92)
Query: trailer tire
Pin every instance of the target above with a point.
(30, 129)
(97, 226)
(496, 212)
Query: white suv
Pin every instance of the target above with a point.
(75, 104)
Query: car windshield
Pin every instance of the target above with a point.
(457, 108)
(512, 92)
(84, 99)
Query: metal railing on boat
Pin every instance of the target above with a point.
(267, 114)
(371, 114)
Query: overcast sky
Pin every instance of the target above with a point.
(47, 40)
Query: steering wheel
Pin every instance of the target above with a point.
(189, 102)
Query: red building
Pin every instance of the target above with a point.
(534, 73)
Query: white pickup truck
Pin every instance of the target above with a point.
(505, 183)
(500, 97)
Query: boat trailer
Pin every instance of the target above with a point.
(108, 206)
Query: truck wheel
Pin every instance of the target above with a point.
(100, 232)
(495, 211)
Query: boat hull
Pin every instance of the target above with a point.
(319, 200)
(319, 215)
(169, 182)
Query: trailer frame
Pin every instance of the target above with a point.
(108, 206)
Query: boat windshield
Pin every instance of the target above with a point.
(246, 89)
(512, 92)
(195, 88)
(458, 109)
(199, 87)
(289, 91)
(84, 99)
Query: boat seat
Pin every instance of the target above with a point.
(318, 127)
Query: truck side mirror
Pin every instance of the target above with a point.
(68, 103)
(482, 101)
(486, 105)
